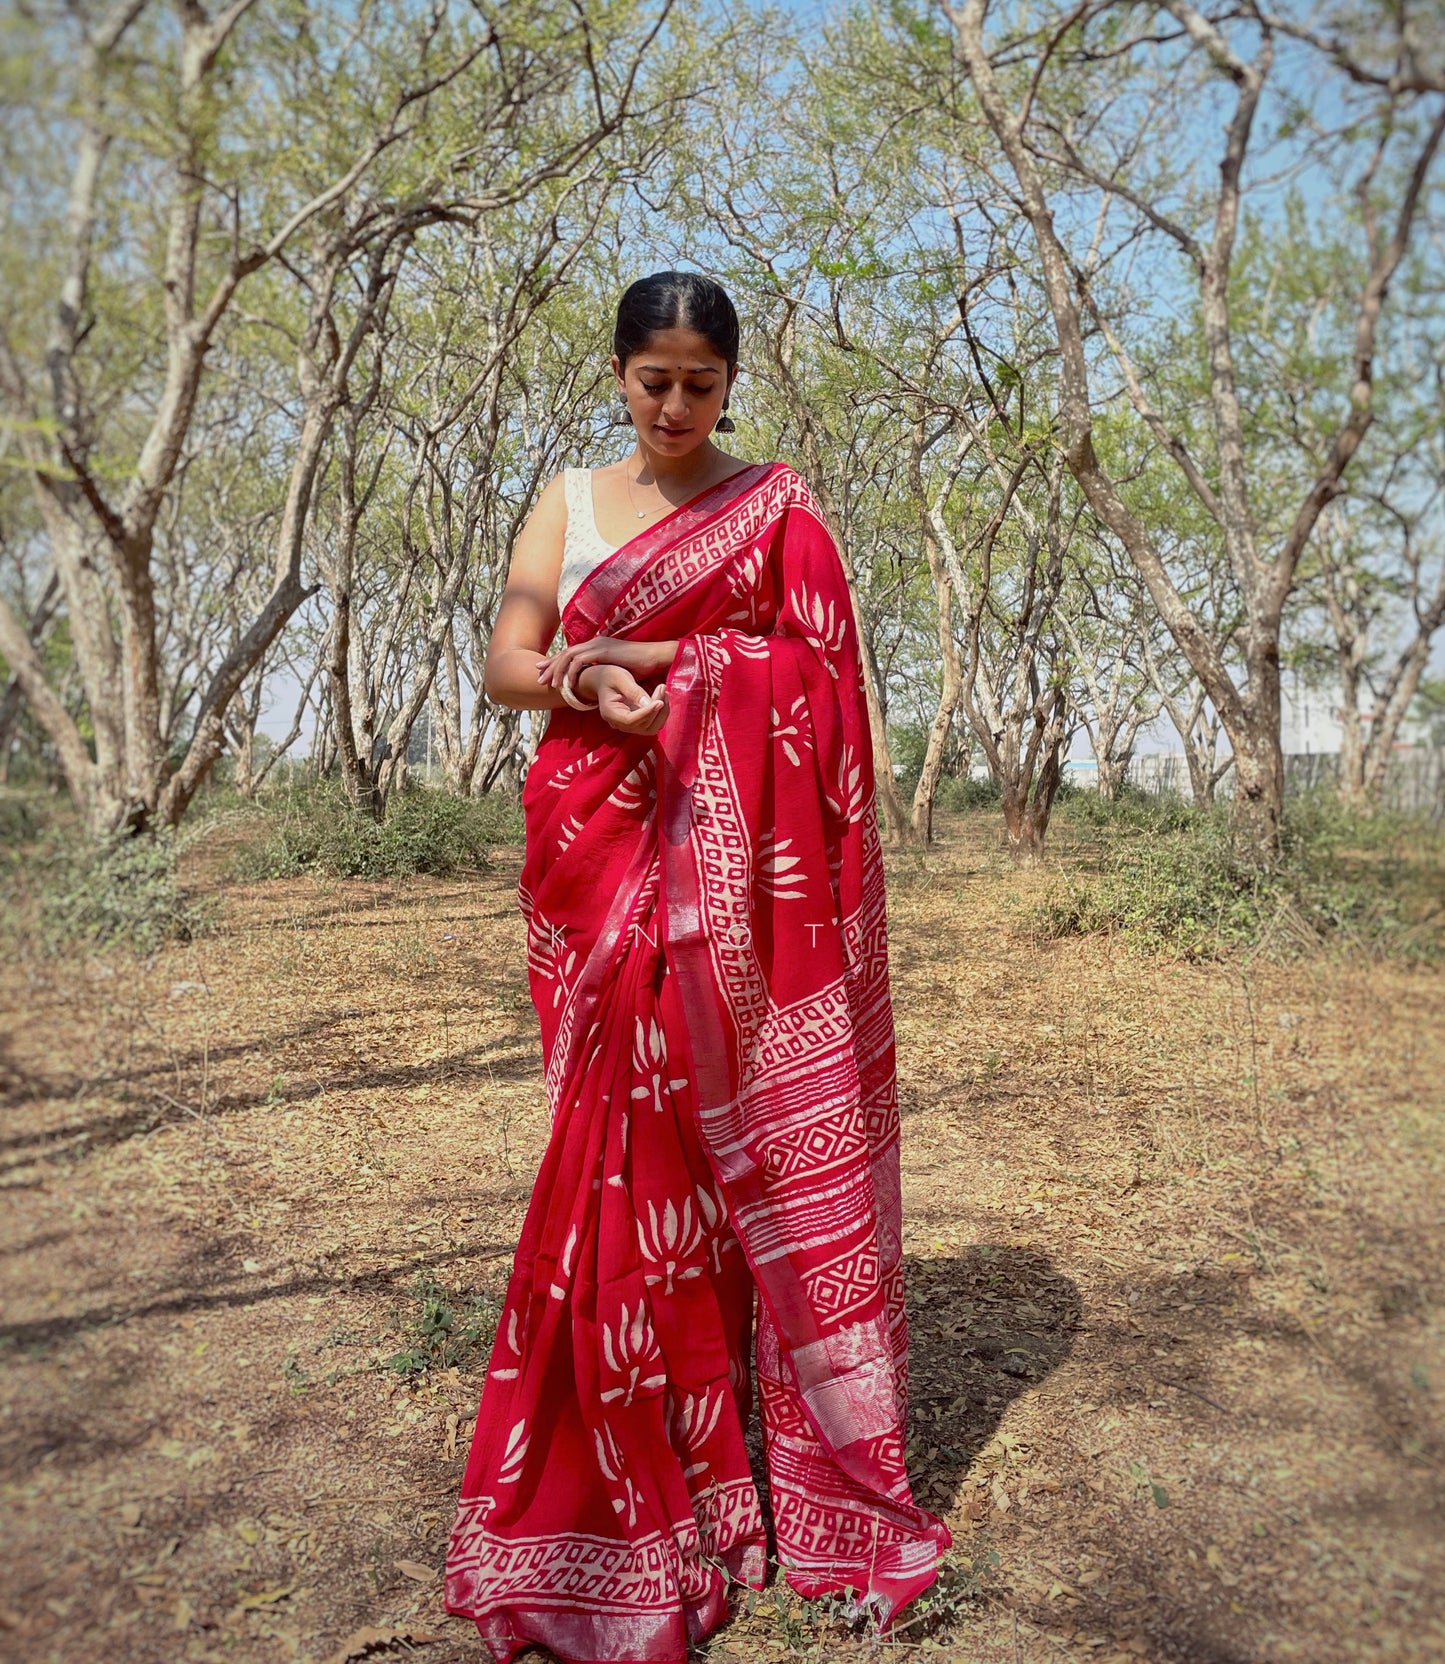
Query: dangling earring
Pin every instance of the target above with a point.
(725, 423)
(623, 418)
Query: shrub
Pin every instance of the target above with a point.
(425, 831)
(445, 1332)
(956, 793)
(121, 892)
(1173, 877)
(1130, 809)
(20, 819)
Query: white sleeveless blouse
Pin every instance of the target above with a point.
(582, 546)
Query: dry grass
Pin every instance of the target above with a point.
(1174, 1237)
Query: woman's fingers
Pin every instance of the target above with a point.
(595, 650)
(632, 709)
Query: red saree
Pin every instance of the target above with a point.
(707, 951)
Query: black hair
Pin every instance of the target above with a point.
(676, 300)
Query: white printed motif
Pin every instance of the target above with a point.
(830, 627)
(569, 770)
(559, 1292)
(669, 1241)
(743, 580)
(515, 1454)
(848, 805)
(630, 1349)
(649, 1058)
(637, 786)
(514, 1346)
(693, 1421)
(570, 828)
(747, 646)
(545, 944)
(801, 732)
(715, 1212)
(774, 875)
(609, 1459)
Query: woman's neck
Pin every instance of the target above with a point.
(648, 468)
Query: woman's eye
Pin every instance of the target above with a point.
(654, 391)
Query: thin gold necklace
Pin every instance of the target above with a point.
(641, 512)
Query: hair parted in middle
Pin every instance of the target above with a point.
(676, 300)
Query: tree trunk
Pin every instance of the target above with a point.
(926, 793)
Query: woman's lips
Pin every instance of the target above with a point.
(672, 433)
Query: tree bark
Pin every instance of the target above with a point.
(1249, 712)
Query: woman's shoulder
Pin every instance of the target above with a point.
(783, 479)
(777, 473)
(561, 491)
(549, 511)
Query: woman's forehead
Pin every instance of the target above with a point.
(679, 349)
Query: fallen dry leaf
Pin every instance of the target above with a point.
(264, 1597)
(416, 1571)
(362, 1642)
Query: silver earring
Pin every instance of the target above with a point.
(623, 419)
(725, 423)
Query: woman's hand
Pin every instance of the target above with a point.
(642, 658)
(620, 701)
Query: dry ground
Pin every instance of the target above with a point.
(1174, 1238)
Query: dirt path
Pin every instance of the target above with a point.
(1174, 1239)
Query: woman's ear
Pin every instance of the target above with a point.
(617, 371)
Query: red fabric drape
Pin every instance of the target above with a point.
(707, 951)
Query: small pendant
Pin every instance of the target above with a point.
(642, 514)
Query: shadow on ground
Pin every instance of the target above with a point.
(984, 1327)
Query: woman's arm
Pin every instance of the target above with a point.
(519, 672)
(527, 618)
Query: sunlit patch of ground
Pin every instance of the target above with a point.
(1174, 1239)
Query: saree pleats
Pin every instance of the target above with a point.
(707, 955)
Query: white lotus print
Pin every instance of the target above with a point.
(515, 1454)
(792, 730)
(569, 771)
(633, 1355)
(693, 1422)
(715, 1214)
(747, 645)
(829, 624)
(667, 1240)
(609, 1459)
(549, 956)
(848, 804)
(775, 866)
(745, 575)
(649, 1058)
(559, 1291)
(636, 787)
(510, 1371)
(570, 828)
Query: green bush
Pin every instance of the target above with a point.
(121, 892)
(956, 793)
(425, 831)
(445, 1331)
(1174, 877)
(21, 821)
(1085, 812)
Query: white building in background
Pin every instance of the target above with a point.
(1310, 721)
(1309, 718)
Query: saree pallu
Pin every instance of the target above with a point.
(707, 952)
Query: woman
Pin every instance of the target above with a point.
(707, 950)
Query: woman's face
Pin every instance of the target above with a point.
(674, 387)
